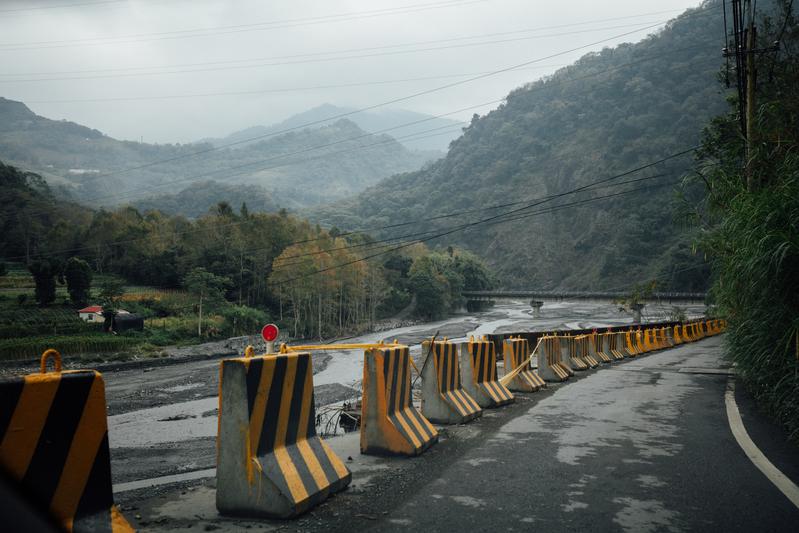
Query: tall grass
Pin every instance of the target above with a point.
(756, 251)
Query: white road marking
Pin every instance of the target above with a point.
(780, 480)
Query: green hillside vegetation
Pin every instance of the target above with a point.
(85, 164)
(749, 222)
(224, 274)
(609, 112)
(196, 199)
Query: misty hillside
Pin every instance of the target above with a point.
(607, 113)
(199, 198)
(299, 168)
(414, 136)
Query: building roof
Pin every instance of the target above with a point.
(92, 309)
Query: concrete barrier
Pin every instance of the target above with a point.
(581, 347)
(639, 341)
(568, 354)
(390, 424)
(675, 335)
(478, 363)
(595, 350)
(270, 461)
(444, 400)
(630, 338)
(668, 340)
(618, 346)
(606, 343)
(648, 345)
(685, 333)
(515, 352)
(550, 367)
(54, 446)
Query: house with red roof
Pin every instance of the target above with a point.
(93, 313)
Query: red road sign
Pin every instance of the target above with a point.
(270, 332)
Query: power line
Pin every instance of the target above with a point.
(227, 170)
(81, 4)
(318, 54)
(422, 233)
(417, 221)
(241, 28)
(374, 106)
(274, 90)
(320, 60)
(426, 239)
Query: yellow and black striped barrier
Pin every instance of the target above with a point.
(580, 350)
(444, 400)
(54, 444)
(515, 352)
(569, 355)
(270, 460)
(630, 337)
(595, 350)
(478, 363)
(618, 346)
(390, 424)
(550, 367)
(604, 345)
(676, 335)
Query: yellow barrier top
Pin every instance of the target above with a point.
(284, 348)
(56, 360)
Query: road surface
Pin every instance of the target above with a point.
(640, 445)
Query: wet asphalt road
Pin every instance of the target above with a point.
(641, 445)
(644, 446)
(162, 419)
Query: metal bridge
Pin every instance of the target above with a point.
(582, 295)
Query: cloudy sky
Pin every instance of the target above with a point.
(181, 70)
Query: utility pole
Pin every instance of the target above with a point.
(744, 33)
(751, 106)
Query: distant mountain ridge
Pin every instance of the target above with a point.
(609, 112)
(300, 168)
(419, 136)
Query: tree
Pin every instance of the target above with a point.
(78, 275)
(111, 290)
(44, 272)
(430, 288)
(208, 288)
(3, 269)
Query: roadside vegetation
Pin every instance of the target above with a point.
(224, 274)
(750, 226)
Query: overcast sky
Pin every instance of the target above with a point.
(181, 70)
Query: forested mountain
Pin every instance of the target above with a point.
(298, 168)
(415, 136)
(609, 112)
(196, 199)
